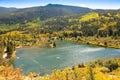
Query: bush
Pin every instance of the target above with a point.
(104, 69)
(111, 65)
(81, 65)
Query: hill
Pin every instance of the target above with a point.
(42, 12)
(4, 10)
(55, 17)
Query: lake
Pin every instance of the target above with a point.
(66, 54)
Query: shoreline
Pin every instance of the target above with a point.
(66, 40)
(89, 43)
(93, 43)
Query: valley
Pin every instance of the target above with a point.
(59, 42)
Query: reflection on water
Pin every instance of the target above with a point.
(66, 54)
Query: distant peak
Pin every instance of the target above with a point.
(50, 5)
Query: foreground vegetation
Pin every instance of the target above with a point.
(97, 70)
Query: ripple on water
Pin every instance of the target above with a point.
(66, 55)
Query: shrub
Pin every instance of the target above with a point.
(104, 69)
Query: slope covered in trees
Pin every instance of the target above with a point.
(4, 10)
(42, 12)
(91, 28)
(91, 24)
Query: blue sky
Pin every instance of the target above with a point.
(95, 4)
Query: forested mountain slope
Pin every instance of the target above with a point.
(91, 24)
(42, 12)
(4, 10)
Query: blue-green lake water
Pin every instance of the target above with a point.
(66, 54)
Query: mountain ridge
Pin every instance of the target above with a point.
(42, 12)
(45, 12)
(4, 10)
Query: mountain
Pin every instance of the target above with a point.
(42, 12)
(4, 10)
